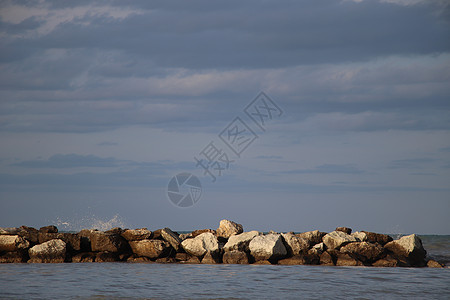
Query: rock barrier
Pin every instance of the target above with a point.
(228, 244)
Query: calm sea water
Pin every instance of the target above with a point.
(178, 281)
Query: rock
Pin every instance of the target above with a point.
(136, 234)
(165, 260)
(434, 264)
(181, 256)
(200, 231)
(228, 228)
(294, 244)
(193, 260)
(262, 262)
(336, 239)
(210, 259)
(379, 238)
(14, 257)
(360, 236)
(83, 257)
(410, 248)
(141, 259)
(318, 248)
(157, 234)
(11, 243)
(388, 261)
(72, 240)
(363, 251)
(49, 229)
(29, 233)
(267, 247)
(240, 241)
(106, 256)
(344, 259)
(235, 257)
(295, 260)
(101, 241)
(326, 259)
(53, 251)
(198, 246)
(9, 230)
(171, 237)
(184, 236)
(344, 229)
(149, 248)
(115, 230)
(312, 237)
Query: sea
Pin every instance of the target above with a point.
(186, 281)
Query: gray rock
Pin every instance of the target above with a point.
(265, 247)
(228, 228)
(240, 241)
(336, 239)
(201, 244)
(53, 251)
(149, 248)
(294, 244)
(11, 243)
(171, 237)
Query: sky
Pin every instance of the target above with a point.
(103, 102)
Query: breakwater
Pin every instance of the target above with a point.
(228, 244)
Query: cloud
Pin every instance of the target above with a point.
(413, 163)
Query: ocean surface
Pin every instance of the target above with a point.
(180, 281)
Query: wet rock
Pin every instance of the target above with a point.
(200, 231)
(312, 237)
(295, 260)
(326, 259)
(388, 261)
(294, 244)
(379, 238)
(240, 241)
(165, 260)
(434, 264)
(53, 251)
(267, 247)
(344, 229)
(228, 228)
(72, 240)
(171, 237)
(344, 259)
(141, 259)
(410, 248)
(101, 241)
(149, 248)
(49, 229)
(262, 262)
(336, 239)
(14, 257)
(136, 234)
(198, 246)
(235, 257)
(363, 251)
(83, 257)
(106, 256)
(11, 243)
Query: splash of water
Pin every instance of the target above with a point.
(89, 222)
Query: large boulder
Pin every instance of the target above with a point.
(228, 228)
(235, 257)
(136, 234)
(101, 241)
(10, 243)
(379, 238)
(171, 237)
(201, 244)
(14, 257)
(29, 233)
(312, 237)
(326, 259)
(265, 247)
(336, 239)
(53, 251)
(240, 241)
(410, 248)
(149, 248)
(360, 236)
(363, 251)
(72, 240)
(49, 229)
(200, 231)
(294, 244)
(210, 258)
